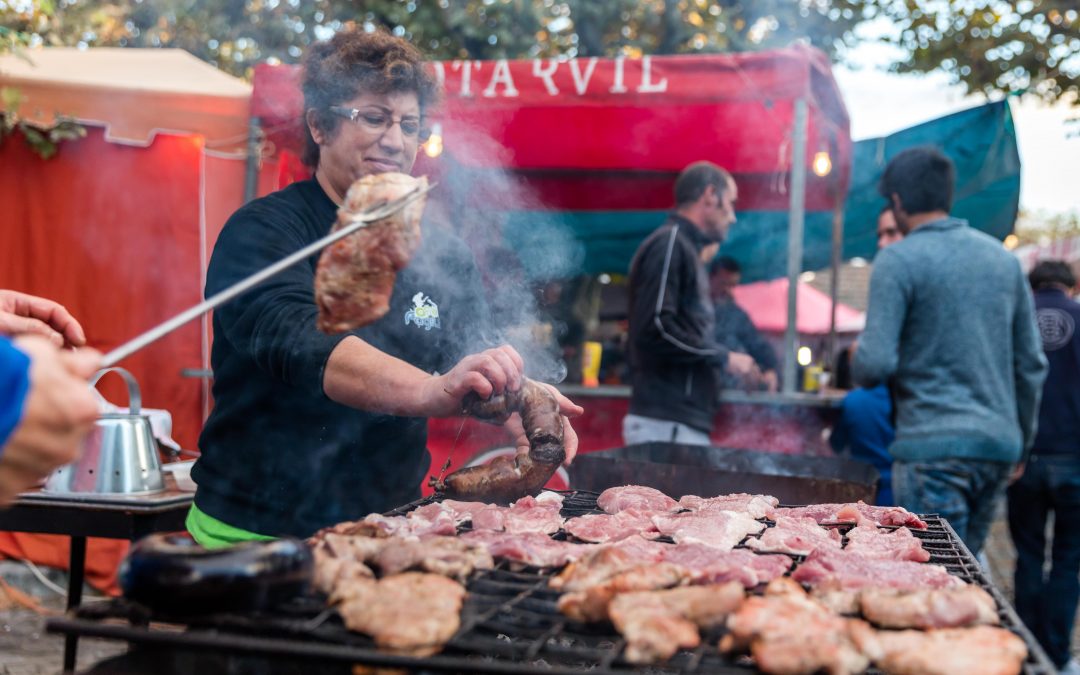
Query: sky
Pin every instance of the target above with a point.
(880, 103)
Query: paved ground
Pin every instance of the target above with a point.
(25, 648)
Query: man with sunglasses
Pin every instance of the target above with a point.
(310, 429)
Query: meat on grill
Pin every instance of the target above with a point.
(720, 529)
(837, 576)
(527, 514)
(602, 563)
(788, 632)
(355, 276)
(603, 527)
(900, 544)
(983, 649)
(528, 548)
(591, 603)
(859, 513)
(708, 565)
(755, 506)
(448, 556)
(411, 614)
(639, 497)
(799, 536)
(340, 558)
(656, 624)
(463, 512)
(504, 479)
(825, 569)
(940, 608)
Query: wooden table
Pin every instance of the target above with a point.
(80, 516)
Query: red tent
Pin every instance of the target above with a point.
(118, 225)
(766, 303)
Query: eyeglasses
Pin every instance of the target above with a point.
(378, 122)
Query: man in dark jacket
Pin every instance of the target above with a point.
(1051, 478)
(675, 361)
(734, 329)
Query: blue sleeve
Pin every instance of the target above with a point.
(14, 383)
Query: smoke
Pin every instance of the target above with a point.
(523, 250)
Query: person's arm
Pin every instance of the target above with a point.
(756, 345)
(1029, 365)
(878, 352)
(23, 314)
(47, 390)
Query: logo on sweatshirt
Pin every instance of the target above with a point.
(1056, 327)
(424, 312)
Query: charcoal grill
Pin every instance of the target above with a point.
(510, 624)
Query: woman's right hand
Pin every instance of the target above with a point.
(489, 372)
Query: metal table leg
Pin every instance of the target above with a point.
(76, 569)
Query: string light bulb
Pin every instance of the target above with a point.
(433, 146)
(822, 164)
(804, 356)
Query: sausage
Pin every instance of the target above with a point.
(171, 574)
(505, 479)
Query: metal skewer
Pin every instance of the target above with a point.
(360, 221)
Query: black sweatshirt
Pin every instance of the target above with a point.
(674, 358)
(278, 456)
(1058, 318)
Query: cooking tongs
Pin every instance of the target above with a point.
(361, 220)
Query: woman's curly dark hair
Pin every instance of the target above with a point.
(355, 61)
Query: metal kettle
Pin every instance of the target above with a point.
(118, 457)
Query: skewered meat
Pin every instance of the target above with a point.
(591, 603)
(900, 544)
(411, 613)
(983, 650)
(755, 506)
(795, 535)
(859, 513)
(505, 479)
(943, 608)
(658, 623)
(720, 529)
(355, 276)
(788, 632)
(638, 497)
(603, 527)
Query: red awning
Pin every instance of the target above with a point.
(579, 130)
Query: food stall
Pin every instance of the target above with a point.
(570, 163)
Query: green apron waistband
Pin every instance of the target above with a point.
(210, 532)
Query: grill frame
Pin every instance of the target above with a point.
(509, 623)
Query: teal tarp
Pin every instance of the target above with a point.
(981, 141)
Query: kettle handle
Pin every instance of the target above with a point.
(134, 397)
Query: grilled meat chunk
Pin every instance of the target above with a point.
(719, 529)
(616, 499)
(900, 544)
(755, 506)
(412, 613)
(355, 276)
(795, 535)
(656, 624)
(591, 604)
(788, 632)
(943, 608)
(857, 513)
(983, 649)
(447, 556)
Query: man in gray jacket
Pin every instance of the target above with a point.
(951, 326)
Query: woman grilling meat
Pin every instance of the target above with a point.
(310, 429)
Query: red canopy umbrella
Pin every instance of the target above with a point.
(766, 303)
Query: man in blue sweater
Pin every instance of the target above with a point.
(950, 322)
(1051, 480)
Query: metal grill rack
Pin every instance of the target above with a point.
(510, 624)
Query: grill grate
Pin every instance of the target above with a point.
(510, 623)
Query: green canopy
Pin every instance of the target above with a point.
(982, 143)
